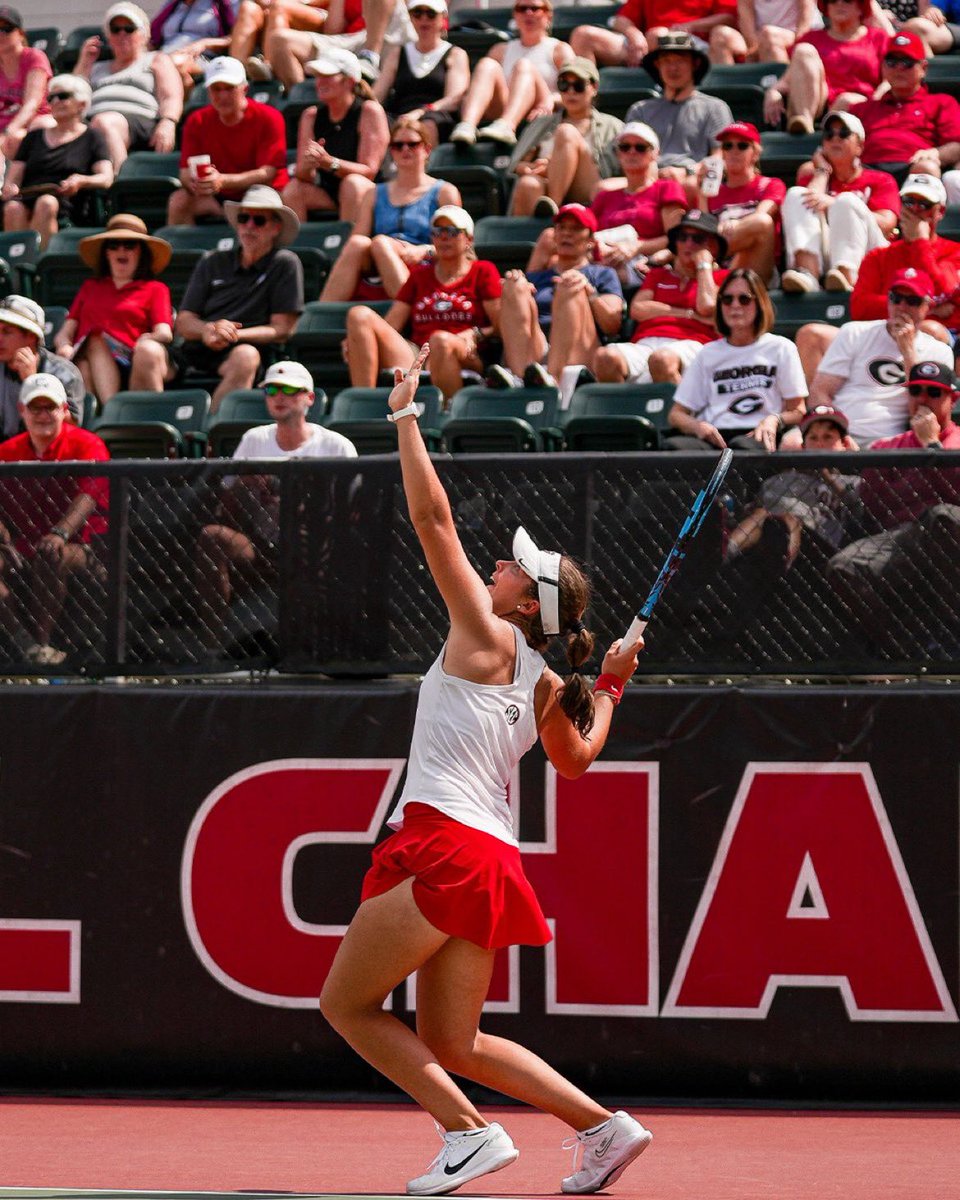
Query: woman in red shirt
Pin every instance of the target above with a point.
(121, 321)
(838, 65)
(450, 301)
(747, 204)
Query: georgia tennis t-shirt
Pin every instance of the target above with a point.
(735, 387)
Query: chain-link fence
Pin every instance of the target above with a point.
(807, 565)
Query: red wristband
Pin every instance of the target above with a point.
(610, 685)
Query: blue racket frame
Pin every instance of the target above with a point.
(678, 551)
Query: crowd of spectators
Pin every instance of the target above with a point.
(661, 254)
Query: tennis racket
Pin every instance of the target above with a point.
(678, 551)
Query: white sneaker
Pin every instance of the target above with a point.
(799, 281)
(465, 1156)
(836, 281)
(605, 1153)
(498, 131)
(464, 132)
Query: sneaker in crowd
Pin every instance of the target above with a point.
(799, 280)
(258, 69)
(800, 124)
(836, 281)
(369, 64)
(546, 208)
(465, 1156)
(500, 377)
(605, 1152)
(498, 131)
(536, 375)
(464, 133)
(45, 656)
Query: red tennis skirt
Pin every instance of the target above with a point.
(467, 883)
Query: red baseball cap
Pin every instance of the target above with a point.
(917, 283)
(579, 213)
(909, 45)
(825, 412)
(739, 129)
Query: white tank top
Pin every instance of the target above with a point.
(539, 56)
(467, 739)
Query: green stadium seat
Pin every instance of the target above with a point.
(622, 86)
(949, 226)
(477, 171)
(795, 310)
(300, 97)
(49, 40)
(943, 74)
(477, 42)
(316, 342)
(70, 52)
(326, 237)
(18, 257)
(742, 87)
(489, 421)
(154, 424)
(507, 241)
(60, 271)
(54, 317)
(144, 184)
(360, 414)
(782, 154)
(219, 236)
(617, 416)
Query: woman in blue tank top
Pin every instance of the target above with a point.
(392, 232)
(448, 886)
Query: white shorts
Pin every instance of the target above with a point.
(637, 354)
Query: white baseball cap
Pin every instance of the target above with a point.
(225, 70)
(437, 6)
(543, 566)
(25, 313)
(928, 187)
(133, 12)
(641, 130)
(336, 62)
(290, 374)
(847, 120)
(458, 217)
(43, 385)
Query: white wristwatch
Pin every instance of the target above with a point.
(410, 411)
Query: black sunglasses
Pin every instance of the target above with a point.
(54, 96)
(735, 145)
(529, 8)
(5, 28)
(919, 389)
(123, 244)
(687, 235)
(906, 298)
(571, 85)
(741, 298)
(919, 202)
(897, 60)
(837, 132)
(122, 28)
(400, 145)
(636, 147)
(257, 218)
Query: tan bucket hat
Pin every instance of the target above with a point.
(125, 227)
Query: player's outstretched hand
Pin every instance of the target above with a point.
(405, 385)
(621, 659)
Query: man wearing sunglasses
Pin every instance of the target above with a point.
(245, 141)
(915, 561)
(910, 129)
(240, 299)
(864, 371)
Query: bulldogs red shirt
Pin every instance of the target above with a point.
(670, 288)
(452, 307)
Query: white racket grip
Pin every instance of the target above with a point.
(633, 633)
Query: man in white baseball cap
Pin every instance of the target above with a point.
(252, 502)
(22, 353)
(227, 146)
(54, 518)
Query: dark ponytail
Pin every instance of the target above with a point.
(576, 696)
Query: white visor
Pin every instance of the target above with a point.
(543, 566)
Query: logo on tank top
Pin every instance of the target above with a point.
(512, 713)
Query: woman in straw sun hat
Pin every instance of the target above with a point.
(121, 321)
(447, 888)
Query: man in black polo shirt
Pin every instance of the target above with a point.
(238, 300)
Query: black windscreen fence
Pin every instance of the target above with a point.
(807, 564)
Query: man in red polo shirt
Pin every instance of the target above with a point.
(910, 128)
(47, 523)
(244, 140)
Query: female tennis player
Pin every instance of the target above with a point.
(447, 888)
